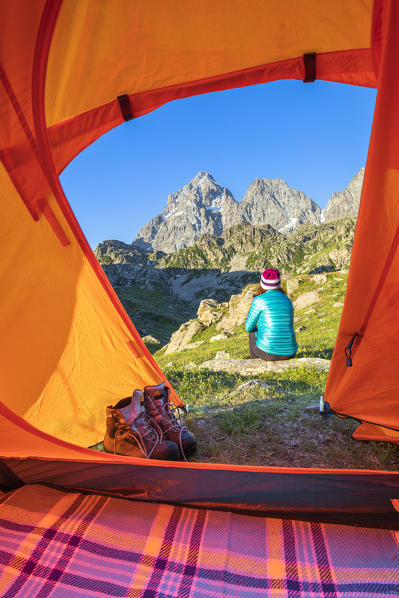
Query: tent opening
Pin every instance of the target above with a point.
(188, 278)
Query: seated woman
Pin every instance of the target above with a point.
(272, 315)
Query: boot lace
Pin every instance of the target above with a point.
(139, 437)
(175, 423)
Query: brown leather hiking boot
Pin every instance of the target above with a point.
(158, 407)
(130, 433)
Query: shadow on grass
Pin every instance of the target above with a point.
(154, 347)
(312, 352)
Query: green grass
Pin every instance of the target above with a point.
(151, 311)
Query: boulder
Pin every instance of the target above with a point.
(206, 305)
(238, 311)
(209, 317)
(306, 299)
(220, 337)
(252, 385)
(151, 339)
(209, 311)
(319, 278)
(292, 285)
(191, 365)
(183, 336)
(222, 355)
(250, 367)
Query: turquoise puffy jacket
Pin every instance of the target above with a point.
(272, 313)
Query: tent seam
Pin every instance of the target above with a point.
(39, 71)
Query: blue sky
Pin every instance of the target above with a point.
(315, 136)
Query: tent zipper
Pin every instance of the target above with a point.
(348, 349)
(384, 274)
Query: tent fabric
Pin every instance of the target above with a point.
(73, 544)
(367, 431)
(369, 390)
(68, 347)
(176, 46)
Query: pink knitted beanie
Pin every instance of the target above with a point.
(270, 279)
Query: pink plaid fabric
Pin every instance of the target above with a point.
(68, 545)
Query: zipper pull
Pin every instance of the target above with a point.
(348, 350)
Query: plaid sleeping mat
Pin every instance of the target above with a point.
(65, 545)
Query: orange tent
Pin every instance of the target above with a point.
(70, 71)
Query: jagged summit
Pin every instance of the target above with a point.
(202, 206)
(274, 202)
(200, 176)
(346, 202)
(202, 189)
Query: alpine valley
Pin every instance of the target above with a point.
(207, 245)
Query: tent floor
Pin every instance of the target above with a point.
(63, 544)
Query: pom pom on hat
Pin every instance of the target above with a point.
(270, 279)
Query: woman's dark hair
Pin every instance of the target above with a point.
(260, 291)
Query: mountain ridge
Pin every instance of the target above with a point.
(202, 206)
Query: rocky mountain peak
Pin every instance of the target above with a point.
(197, 208)
(201, 177)
(345, 203)
(356, 184)
(201, 189)
(274, 202)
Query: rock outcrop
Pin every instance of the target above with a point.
(238, 311)
(117, 252)
(182, 337)
(209, 312)
(250, 367)
(126, 275)
(306, 299)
